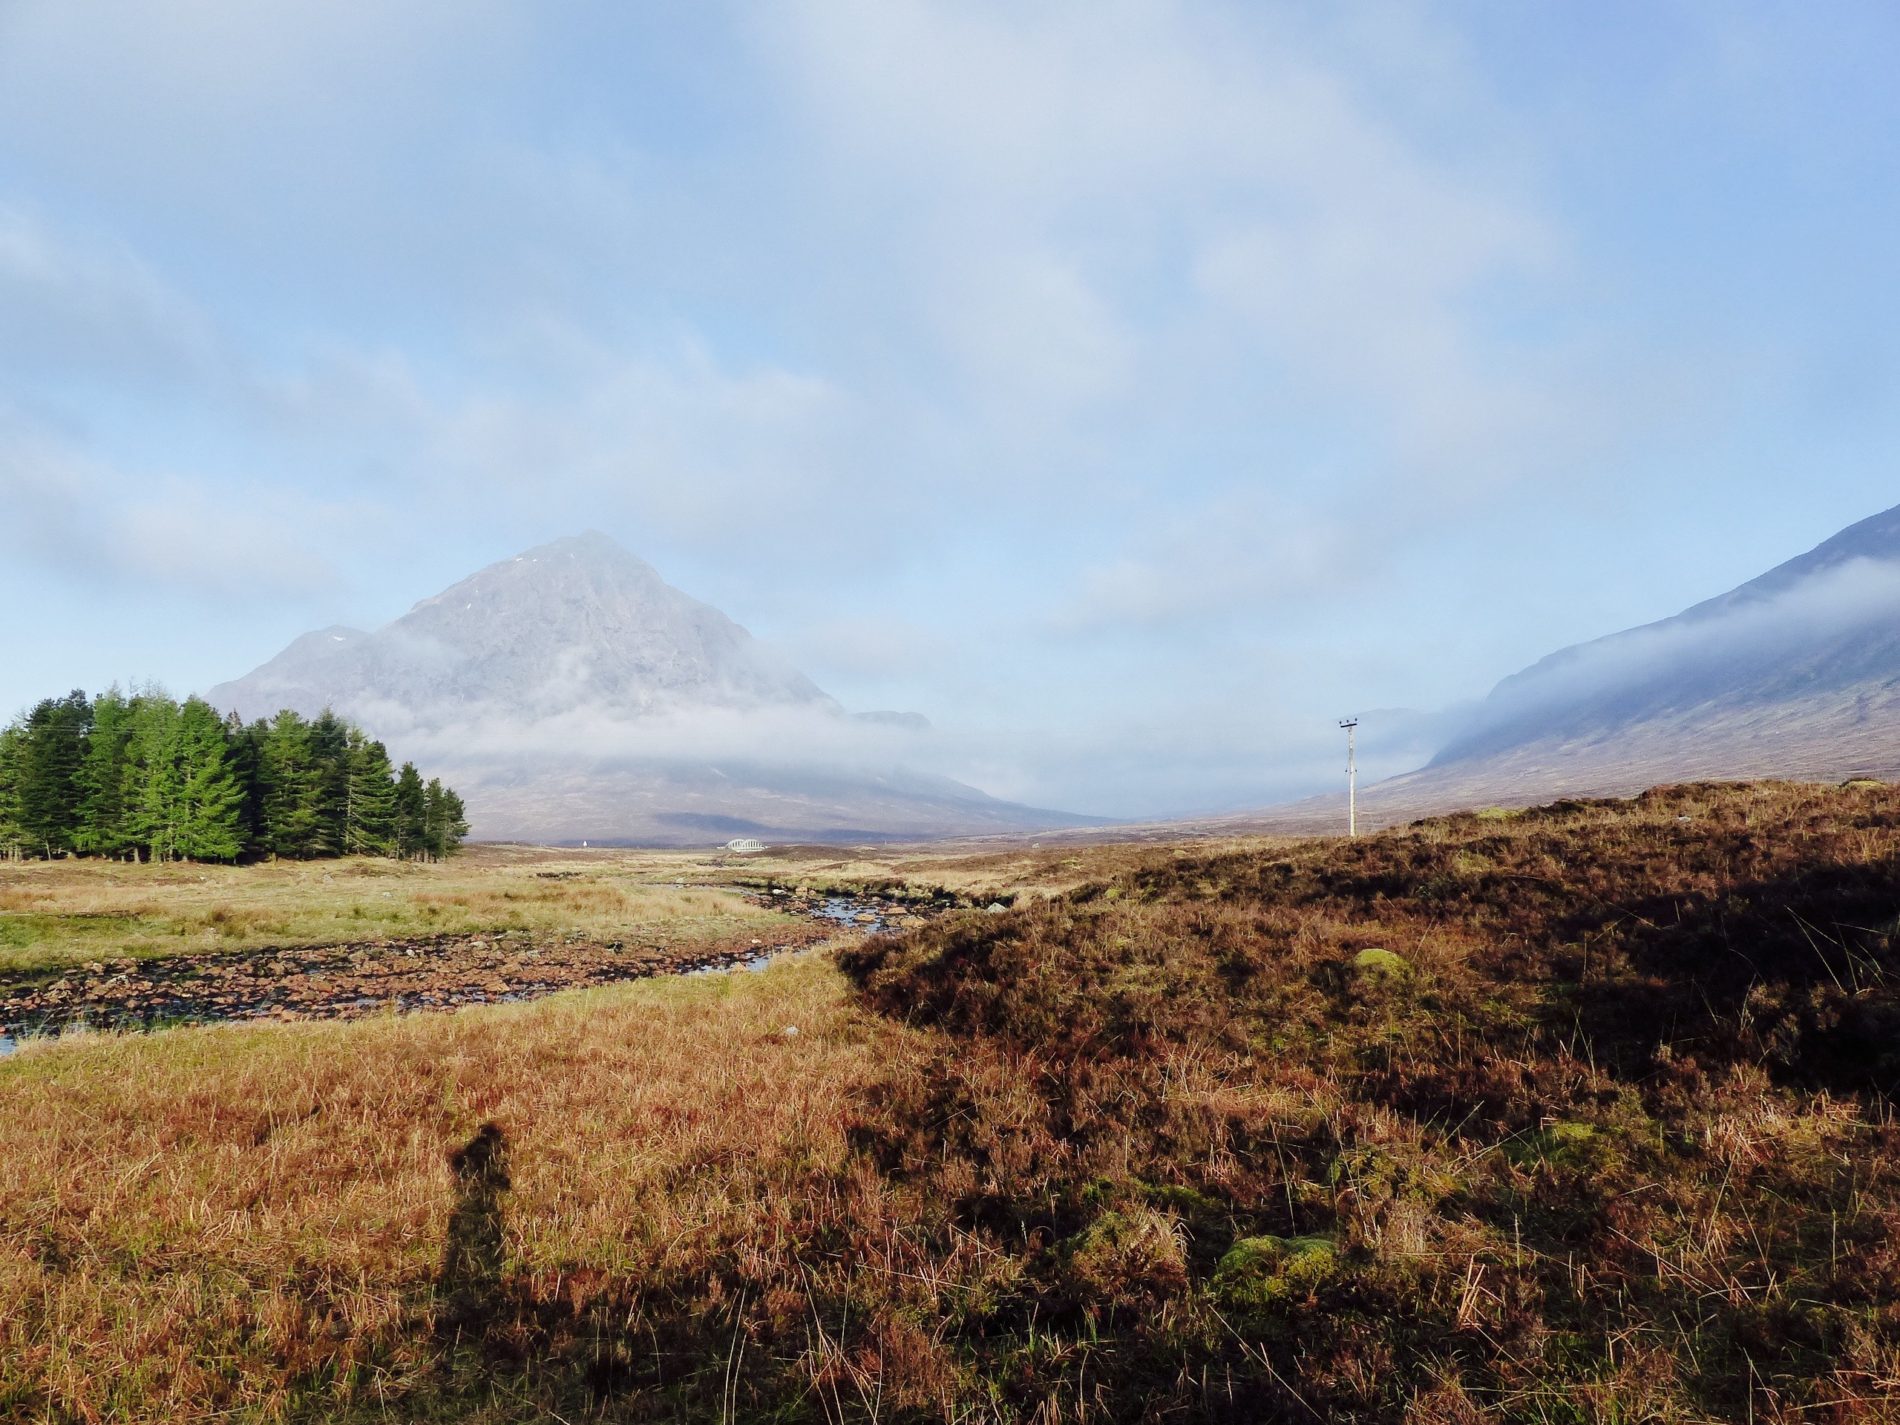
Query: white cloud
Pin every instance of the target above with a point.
(153, 531)
(679, 441)
(807, 738)
(78, 304)
(1074, 187)
(1229, 557)
(869, 646)
(1038, 340)
(164, 88)
(1372, 301)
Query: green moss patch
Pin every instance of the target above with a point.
(1260, 1273)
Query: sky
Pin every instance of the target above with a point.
(1134, 389)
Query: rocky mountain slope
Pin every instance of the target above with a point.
(573, 694)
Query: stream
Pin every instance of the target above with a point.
(350, 981)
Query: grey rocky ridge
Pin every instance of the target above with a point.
(572, 694)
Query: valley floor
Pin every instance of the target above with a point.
(1572, 1115)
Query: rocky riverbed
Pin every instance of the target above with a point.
(348, 981)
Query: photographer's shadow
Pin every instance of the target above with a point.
(468, 1290)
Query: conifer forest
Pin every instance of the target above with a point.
(141, 776)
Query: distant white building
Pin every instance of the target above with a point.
(745, 845)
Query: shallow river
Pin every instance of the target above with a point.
(374, 977)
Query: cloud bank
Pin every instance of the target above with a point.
(1134, 387)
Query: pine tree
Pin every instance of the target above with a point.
(49, 772)
(153, 786)
(102, 828)
(244, 743)
(412, 813)
(13, 834)
(443, 826)
(329, 769)
(454, 821)
(369, 798)
(290, 790)
(210, 797)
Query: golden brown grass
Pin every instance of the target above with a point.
(1579, 1115)
(980, 870)
(255, 1220)
(69, 912)
(1575, 1116)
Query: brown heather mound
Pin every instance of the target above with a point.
(1579, 1114)
(1570, 1116)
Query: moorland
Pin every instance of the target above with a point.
(1575, 1114)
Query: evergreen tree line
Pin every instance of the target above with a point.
(142, 777)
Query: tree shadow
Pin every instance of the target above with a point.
(469, 1289)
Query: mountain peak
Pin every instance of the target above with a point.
(573, 693)
(588, 544)
(595, 559)
(577, 623)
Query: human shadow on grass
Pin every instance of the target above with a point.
(469, 1288)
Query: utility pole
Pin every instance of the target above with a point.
(1351, 724)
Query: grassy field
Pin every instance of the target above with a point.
(1583, 1114)
(263, 1221)
(980, 871)
(57, 913)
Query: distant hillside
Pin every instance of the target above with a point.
(1793, 674)
(573, 694)
(1813, 644)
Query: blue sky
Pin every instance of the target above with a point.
(1133, 388)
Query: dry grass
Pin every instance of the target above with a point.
(256, 1220)
(1573, 1116)
(1582, 1114)
(981, 871)
(61, 913)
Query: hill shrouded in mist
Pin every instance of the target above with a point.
(579, 622)
(1783, 663)
(1792, 674)
(576, 695)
